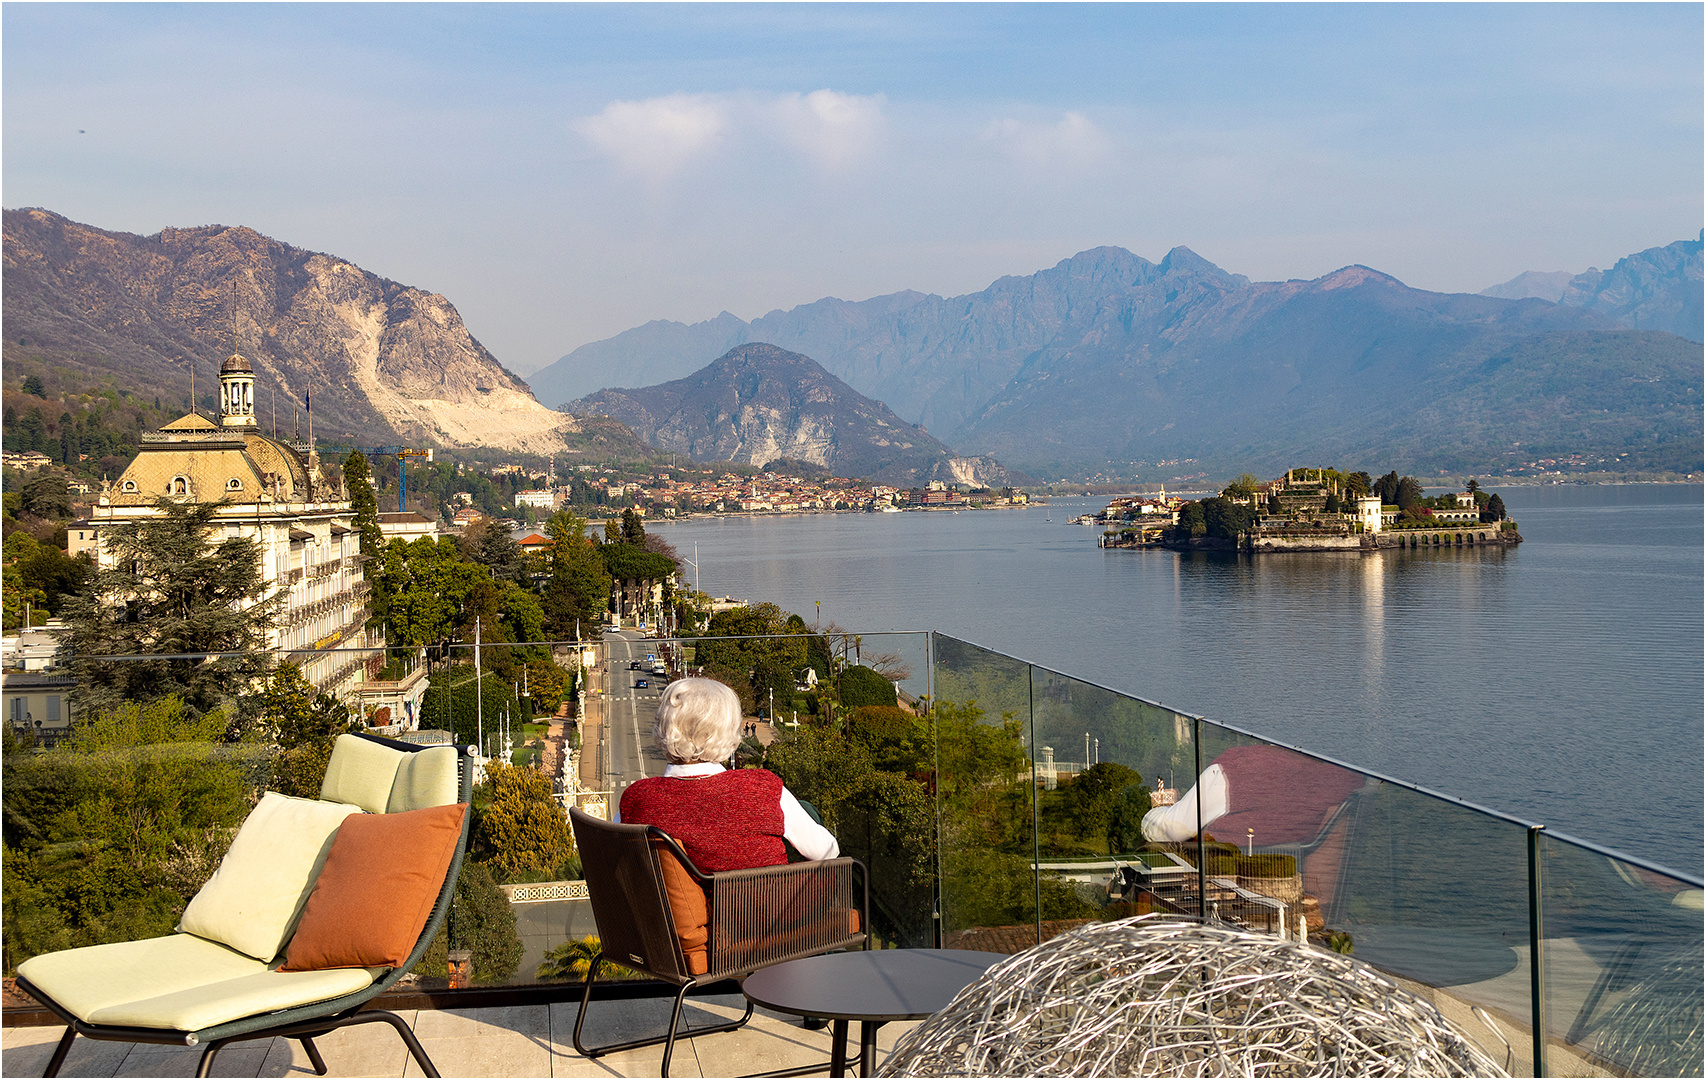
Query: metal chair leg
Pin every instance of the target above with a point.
(314, 1057)
(668, 1038)
(586, 999)
(204, 1067)
(407, 1033)
(674, 1022)
(54, 1063)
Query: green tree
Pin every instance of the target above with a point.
(1409, 493)
(521, 831)
(577, 592)
(860, 686)
(1097, 803)
(1225, 519)
(752, 644)
(303, 725)
(490, 544)
(47, 497)
(1192, 523)
(633, 529)
(110, 833)
(1494, 510)
(171, 591)
(481, 921)
(32, 385)
(1242, 487)
(359, 479)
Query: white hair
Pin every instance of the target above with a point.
(698, 720)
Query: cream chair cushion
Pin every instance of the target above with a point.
(362, 772)
(424, 778)
(253, 900)
(179, 983)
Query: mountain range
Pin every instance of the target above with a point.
(381, 362)
(1657, 289)
(1107, 361)
(758, 403)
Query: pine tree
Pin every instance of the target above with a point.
(171, 590)
(1494, 510)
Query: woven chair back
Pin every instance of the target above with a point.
(625, 883)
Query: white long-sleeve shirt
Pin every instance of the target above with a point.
(806, 835)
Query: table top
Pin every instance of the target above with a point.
(878, 984)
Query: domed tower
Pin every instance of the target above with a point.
(236, 393)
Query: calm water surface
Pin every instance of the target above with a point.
(1560, 681)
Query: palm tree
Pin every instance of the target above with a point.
(571, 959)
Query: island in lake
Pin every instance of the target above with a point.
(1310, 510)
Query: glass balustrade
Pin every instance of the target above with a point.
(995, 802)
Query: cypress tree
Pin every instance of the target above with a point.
(359, 478)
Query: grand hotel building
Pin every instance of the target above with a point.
(275, 493)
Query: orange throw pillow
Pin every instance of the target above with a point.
(377, 889)
(692, 912)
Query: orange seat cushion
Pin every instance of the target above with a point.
(377, 889)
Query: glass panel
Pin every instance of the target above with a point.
(985, 784)
(868, 763)
(1623, 964)
(1433, 893)
(1104, 761)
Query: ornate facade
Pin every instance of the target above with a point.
(275, 493)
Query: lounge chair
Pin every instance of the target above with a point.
(280, 900)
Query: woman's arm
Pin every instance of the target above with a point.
(808, 837)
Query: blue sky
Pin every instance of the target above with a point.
(562, 173)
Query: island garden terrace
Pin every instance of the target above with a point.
(1000, 803)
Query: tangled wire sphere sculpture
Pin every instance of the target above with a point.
(1153, 996)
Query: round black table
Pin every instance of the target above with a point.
(872, 987)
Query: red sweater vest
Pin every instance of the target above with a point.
(730, 820)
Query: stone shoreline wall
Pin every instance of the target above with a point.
(1484, 534)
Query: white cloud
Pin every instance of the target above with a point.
(657, 135)
(1072, 142)
(832, 128)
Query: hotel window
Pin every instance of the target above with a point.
(53, 708)
(16, 708)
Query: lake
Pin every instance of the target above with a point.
(1559, 681)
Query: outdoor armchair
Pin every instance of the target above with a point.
(660, 915)
(316, 909)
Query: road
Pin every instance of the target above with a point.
(629, 711)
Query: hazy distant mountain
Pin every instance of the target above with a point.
(1656, 289)
(1533, 285)
(758, 403)
(933, 360)
(1354, 366)
(1109, 361)
(383, 362)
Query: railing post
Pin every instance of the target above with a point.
(1536, 951)
(1202, 866)
(1036, 814)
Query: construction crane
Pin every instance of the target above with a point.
(400, 453)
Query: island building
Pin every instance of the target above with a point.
(278, 494)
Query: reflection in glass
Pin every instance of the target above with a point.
(1623, 961)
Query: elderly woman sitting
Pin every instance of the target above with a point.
(725, 819)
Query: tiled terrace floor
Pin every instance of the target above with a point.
(516, 1041)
